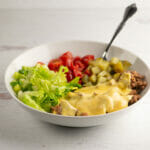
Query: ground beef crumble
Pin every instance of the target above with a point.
(138, 84)
(57, 109)
(84, 114)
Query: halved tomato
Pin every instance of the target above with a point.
(88, 72)
(67, 59)
(70, 75)
(78, 62)
(54, 64)
(87, 58)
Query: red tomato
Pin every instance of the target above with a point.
(80, 65)
(77, 66)
(65, 56)
(70, 75)
(68, 63)
(80, 81)
(87, 58)
(77, 58)
(67, 59)
(76, 71)
(87, 72)
(77, 61)
(54, 64)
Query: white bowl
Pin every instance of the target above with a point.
(79, 48)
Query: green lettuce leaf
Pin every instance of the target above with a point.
(40, 87)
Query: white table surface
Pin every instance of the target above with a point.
(22, 29)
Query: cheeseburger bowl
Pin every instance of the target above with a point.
(49, 51)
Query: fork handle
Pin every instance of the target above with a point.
(129, 12)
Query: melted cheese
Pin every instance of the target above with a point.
(100, 99)
(67, 108)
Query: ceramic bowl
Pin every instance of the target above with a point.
(79, 48)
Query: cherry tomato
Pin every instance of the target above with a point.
(80, 65)
(65, 56)
(76, 71)
(87, 58)
(70, 75)
(67, 59)
(77, 61)
(77, 58)
(87, 72)
(77, 66)
(68, 63)
(80, 81)
(54, 64)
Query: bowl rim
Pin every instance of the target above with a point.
(74, 117)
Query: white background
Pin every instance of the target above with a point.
(27, 4)
(28, 23)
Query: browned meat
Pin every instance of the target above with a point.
(134, 99)
(138, 84)
(57, 109)
(84, 114)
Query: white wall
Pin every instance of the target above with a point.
(28, 4)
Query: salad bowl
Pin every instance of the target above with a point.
(49, 51)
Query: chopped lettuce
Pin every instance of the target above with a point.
(40, 87)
